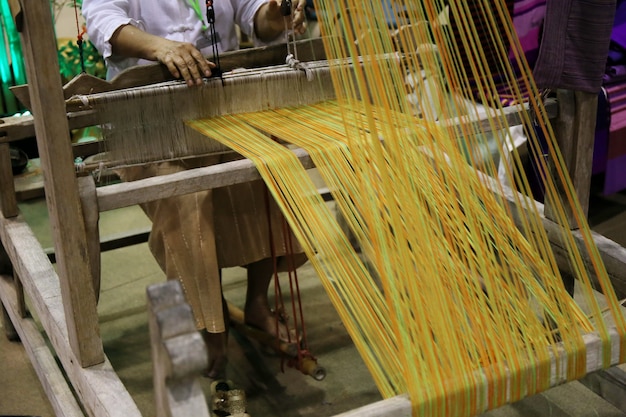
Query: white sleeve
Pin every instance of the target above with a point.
(103, 18)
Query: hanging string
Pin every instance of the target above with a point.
(292, 57)
(210, 16)
(79, 38)
(285, 10)
(209, 25)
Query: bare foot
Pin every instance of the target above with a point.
(265, 320)
(257, 312)
(217, 348)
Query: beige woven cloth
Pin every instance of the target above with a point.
(195, 235)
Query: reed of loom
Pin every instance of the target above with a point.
(67, 311)
(147, 123)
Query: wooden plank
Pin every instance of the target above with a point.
(8, 205)
(91, 214)
(568, 400)
(9, 329)
(22, 127)
(179, 354)
(8, 201)
(575, 400)
(101, 391)
(262, 56)
(610, 384)
(613, 255)
(575, 134)
(17, 128)
(399, 406)
(65, 213)
(511, 115)
(135, 192)
(42, 359)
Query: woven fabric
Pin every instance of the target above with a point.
(575, 44)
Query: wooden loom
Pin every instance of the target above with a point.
(65, 301)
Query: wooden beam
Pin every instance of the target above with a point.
(42, 359)
(613, 254)
(574, 128)
(57, 161)
(136, 192)
(262, 56)
(511, 115)
(16, 128)
(399, 406)
(101, 391)
(8, 201)
(179, 354)
(91, 214)
(22, 127)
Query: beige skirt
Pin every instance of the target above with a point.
(195, 235)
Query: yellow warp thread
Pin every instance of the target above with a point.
(451, 300)
(432, 315)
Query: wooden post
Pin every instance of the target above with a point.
(8, 206)
(57, 162)
(43, 360)
(574, 128)
(8, 201)
(91, 212)
(9, 329)
(179, 354)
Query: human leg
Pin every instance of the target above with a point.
(257, 311)
(182, 242)
(217, 347)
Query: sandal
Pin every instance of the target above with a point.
(226, 400)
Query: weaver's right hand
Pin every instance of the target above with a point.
(183, 60)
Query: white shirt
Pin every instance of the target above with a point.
(171, 19)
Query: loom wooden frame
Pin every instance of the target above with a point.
(65, 301)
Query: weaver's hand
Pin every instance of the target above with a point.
(295, 17)
(183, 60)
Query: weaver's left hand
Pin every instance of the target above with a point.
(297, 19)
(279, 13)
